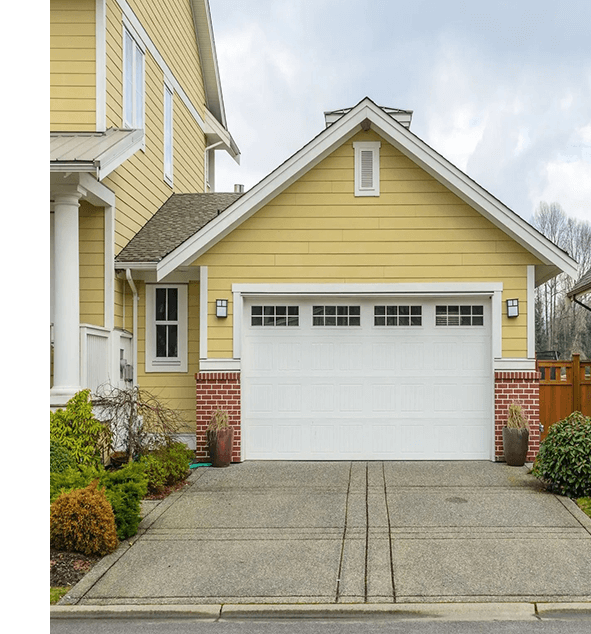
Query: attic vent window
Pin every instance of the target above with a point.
(367, 168)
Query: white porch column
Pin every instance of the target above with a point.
(66, 311)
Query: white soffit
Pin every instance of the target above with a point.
(554, 259)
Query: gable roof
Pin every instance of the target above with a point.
(582, 286)
(554, 259)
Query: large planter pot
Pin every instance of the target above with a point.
(515, 443)
(220, 446)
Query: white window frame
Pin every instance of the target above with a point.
(367, 183)
(168, 133)
(167, 364)
(134, 69)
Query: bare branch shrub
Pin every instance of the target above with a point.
(139, 421)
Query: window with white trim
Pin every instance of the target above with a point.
(336, 315)
(133, 82)
(166, 328)
(168, 134)
(367, 168)
(459, 315)
(397, 315)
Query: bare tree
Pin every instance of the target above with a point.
(559, 326)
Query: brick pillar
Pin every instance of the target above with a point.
(522, 388)
(217, 390)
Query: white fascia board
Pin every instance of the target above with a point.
(217, 133)
(119, 153)
(473, 194)
(409, 144)
(248, 204)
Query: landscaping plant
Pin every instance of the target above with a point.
(60, 457)
(83, 521)
(564, 460)
(77, 429)
(166, 466)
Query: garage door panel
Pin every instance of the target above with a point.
(366, 391)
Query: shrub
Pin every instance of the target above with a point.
(564, 460)
(76, 429)
(60, 457)
(83, 521)
(124, 490)
(167, 466)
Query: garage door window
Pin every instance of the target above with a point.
(275, 316)
(398, 316)
(336, 315)
(459, 315)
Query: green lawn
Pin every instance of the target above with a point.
(56, 594)
(585, 504)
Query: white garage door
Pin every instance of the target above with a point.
(363, 379)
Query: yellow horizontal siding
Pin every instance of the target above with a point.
(72, 65)
(92, 264)
(415, 231)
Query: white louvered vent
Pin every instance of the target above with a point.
(367, 168)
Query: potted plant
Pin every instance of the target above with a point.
(220, 439)
(515, 436)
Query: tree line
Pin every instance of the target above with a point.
(561, 326)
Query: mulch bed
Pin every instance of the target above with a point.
(67, 568)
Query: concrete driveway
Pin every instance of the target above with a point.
(351, 532)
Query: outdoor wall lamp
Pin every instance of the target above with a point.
(512, 308)
(221, 307)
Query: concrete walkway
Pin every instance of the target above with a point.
(351, 533)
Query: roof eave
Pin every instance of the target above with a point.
(555, 260)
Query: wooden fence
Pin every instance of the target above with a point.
(565, 387)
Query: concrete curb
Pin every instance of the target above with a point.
(408, 611)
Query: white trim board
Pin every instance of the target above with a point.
(554, 259)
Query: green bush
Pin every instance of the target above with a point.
(83, 521)
(564, 460)
(167, 466)
(124, 489)
(76, 429)
(60, 458)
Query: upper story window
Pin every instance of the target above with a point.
(367, 168)
(168, 134)
(133, 82)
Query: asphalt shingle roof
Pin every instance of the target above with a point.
(180, 217)
(582, 286)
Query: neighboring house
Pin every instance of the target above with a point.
(366, 300)
(582, 287)
(137, 115)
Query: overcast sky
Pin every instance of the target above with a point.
(500, 88)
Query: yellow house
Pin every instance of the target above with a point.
(366, 300)
(137, 115)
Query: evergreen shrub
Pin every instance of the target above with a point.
(83, 521)
(564, 460)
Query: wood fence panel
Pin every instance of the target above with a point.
(565, 387)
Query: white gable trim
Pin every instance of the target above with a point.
(410, 145)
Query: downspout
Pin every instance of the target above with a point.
(576, 301)
(134, 318)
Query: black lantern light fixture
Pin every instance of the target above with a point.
(221, 308)
(512, 308)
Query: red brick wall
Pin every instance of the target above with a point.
(522, 388)
(217, 390)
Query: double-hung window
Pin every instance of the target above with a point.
(166, 328)
(133, 82)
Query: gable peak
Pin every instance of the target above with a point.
(403, 117)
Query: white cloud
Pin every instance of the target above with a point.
(570, 185)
